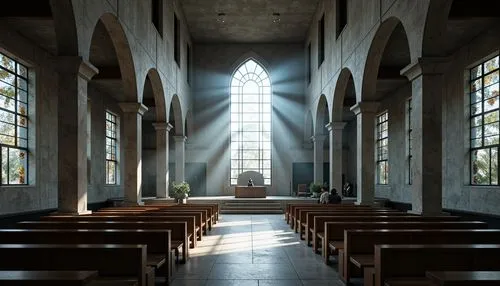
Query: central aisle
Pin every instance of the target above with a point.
(254, 250)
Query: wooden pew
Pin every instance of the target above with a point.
(179, 232)
(290, 209)
(53, 278)
(310, 215)
(119, 261)
(295, 210)
(319, 222)
(127, 217)
(334, 231)
(359, 244)
(462, 278)
(201, 222)
(400, 264)
(158, 241)
(208, 217)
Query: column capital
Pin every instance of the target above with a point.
(425, 66)
(162, 126)
(133, 107)
(76, 65)
(335, 125)
(180, 138)
(365, 107)
(318, 138)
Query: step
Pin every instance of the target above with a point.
(250, 208)
(252, 205)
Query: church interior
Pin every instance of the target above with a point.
(250, 142)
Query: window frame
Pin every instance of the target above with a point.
(16, 115)
(409, 139)
(116, 141)
(177, 41)
(341, 17)
(481, 115)
(379, 141)
(236, 136)
(321, 40)
(156, 16)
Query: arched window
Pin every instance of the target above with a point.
(250, 121)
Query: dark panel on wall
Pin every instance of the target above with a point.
(326, 173)
(196, 176)
(302, 173)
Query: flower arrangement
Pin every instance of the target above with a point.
(180, 191)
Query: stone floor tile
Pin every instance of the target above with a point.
(219, 282)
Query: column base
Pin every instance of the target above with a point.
(87, 212)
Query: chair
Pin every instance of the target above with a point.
(302, 190)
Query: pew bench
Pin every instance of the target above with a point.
(462, 278)
(53, 278)
(359, 244)
(158, 242)
(292, 215)
(412, 261)
(180, 239)
(112, 261)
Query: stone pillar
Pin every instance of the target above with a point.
(335, 132)
(162, 129)
(365, 151)
(427, 95)
(180, 158)
(73, 77)
(132, 140)
(318, 143)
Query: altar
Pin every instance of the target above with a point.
(250, 192)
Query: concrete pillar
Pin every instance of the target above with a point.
(365, 151)
(73, 77)
(180, 158)
(427, 94)
(335, 130)
(318, 143)
(162, 129)
(132, 140)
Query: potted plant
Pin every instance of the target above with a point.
(315, 189)
(180, 191)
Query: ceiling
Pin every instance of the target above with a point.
(249, 21)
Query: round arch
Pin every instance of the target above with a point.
(320, 115)
(65, 27)
(176, 107)
(159, 95)
(123, 53)
(188, 126)
(308, 128)
(374, 57)
(339, 93)
(435, 27)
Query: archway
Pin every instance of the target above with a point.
(177, 140)
(321, 142)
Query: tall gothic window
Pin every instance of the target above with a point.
(13, 121)
(382, 148)
(112, 149)
(484, 122)
(250, 121)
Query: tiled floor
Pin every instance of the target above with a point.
(252, 250)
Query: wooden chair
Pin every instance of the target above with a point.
(301, 190)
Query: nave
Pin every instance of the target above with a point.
(251, 250)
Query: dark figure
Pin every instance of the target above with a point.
(250, 183)
(334, 198)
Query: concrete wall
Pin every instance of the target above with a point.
(214, 65)
(148, 49)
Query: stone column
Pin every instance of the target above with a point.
(180, 158)
(365, 151)
(162, 129)
(335, 132)
(318, 143)
(132, 140)
(73, 77)
(427, 94)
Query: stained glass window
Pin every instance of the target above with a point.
(382, 148)
(13, 121)
(111, 149)
(251, 121)
(484, 122)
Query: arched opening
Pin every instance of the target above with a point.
(154, 99)
(175, 136)
(344, 97)
(321, 143)
(250, 121)
(114, 84)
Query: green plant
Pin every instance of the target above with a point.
(315, 188)
(180, 190)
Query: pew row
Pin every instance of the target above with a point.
(158, 242)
